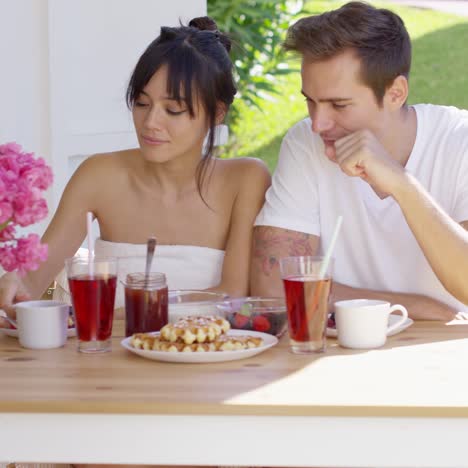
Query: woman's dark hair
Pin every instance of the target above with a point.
(377, 35)
(197, 60)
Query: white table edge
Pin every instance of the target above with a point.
(233, 440)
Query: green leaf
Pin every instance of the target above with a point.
(4, 225)
(257, 29)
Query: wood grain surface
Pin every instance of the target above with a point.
(419, 372)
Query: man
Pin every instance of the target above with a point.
(398, 174)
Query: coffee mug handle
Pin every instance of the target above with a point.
(400, 322)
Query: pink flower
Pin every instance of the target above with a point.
(27, 210)
(25, 256)
(22, 179)
(6, 211)
(10, 148)
(7, 233)
(29, 253)
(8, 258)
(39, 176)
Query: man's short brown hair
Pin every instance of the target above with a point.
(377, 35)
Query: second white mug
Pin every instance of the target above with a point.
(363, 323)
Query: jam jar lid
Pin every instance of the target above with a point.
(139, 280)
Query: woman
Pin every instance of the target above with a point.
(200, 208)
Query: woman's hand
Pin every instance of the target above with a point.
(12, 290)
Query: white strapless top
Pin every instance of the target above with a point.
(185, 266)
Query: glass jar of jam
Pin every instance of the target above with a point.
(146, 303)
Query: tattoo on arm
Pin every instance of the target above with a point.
(273, 243)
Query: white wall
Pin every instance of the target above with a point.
(24, 87)
(64, 65)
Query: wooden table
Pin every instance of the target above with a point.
(403, 405)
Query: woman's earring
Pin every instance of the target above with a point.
(221, 135)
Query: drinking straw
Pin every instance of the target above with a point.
(323, 269)
(328, 254)
(89, 223)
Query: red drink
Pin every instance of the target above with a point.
(145, 310)
(146, 302)
(307, 306)
(93, 301)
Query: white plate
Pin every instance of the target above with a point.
(14, 332)
(210, 356)
(331, 332)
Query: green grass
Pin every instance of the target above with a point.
(439, 75)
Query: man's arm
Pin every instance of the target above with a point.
(419, 307)
(443, 241)
(271, 243)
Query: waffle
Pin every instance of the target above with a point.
(222, 343)
(195, 329)
(233, 343)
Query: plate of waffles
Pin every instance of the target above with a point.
(230, 346)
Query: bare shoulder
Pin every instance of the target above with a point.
(244, 164)
(100, 174)
(99, 169)
(246, 170)
(105, 162)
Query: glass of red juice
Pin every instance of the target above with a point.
(92, 282)
(307, 290)
(146, 302)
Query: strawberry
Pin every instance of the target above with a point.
(261, 323)
(240, 321)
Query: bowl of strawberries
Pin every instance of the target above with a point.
(263, 314)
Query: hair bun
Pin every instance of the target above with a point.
(204, 23)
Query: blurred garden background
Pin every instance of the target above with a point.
(269, 99)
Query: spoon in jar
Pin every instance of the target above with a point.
(150, 248)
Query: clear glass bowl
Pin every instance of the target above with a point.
(186, 302)
(263, 314)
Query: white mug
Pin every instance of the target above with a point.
(42, 324)
(363, 323)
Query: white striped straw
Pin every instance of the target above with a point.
(89, 224)
(326, 259)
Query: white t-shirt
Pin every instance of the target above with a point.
(375, 249)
